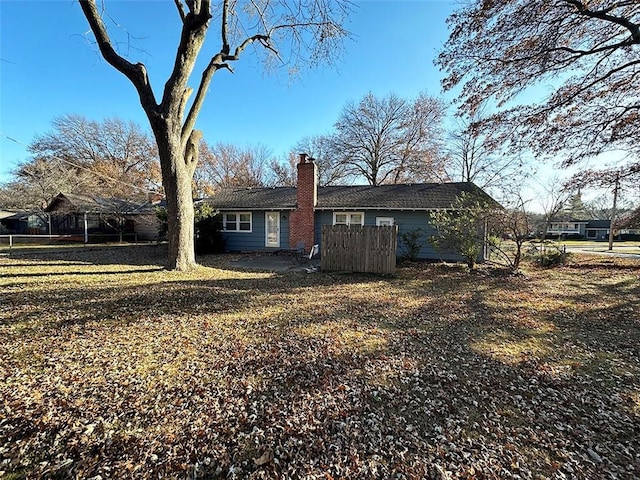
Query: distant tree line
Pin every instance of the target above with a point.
(375, 140)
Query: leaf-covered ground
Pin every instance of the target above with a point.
(111, 367)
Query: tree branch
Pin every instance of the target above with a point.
(192, 150)
(634, 29)
(194, 29)
(225, 40)
(215, 64)
(136, 73)
(181, 11)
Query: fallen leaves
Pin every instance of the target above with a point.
(217, 373)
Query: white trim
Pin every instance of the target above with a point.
(385, 221)
(348, 216)
(266, 230)
(237, 222)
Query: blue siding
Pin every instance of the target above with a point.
(284, 229)
(405, 220)
(255, 240)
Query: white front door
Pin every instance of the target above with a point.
(272, 222)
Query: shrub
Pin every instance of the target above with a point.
(163, 225)
(208, 230)
(573, 236)
(549, 255)
(461, 230)
(411, 243)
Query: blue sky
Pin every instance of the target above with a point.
(50, 68)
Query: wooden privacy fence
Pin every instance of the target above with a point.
(359, 249)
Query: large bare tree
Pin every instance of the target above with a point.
(119, 156)
(331, 170)
(36, 182)
(474, 156)
(307, 29)
(586, 53)
(390, 139)
(109, 159)
(224, 165)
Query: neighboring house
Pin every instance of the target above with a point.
(586, 229)
(23, 223)
(597, 229)
(73, 214)
(268, 219)
(566, 228)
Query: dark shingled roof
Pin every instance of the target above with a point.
(73, 203)
(279, 198)
(420, 196)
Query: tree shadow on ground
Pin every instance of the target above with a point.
(126, 254)
(433, 373)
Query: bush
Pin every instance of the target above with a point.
(461, 230)
(549, 255)
(411, 244)
(163, 225)
(629, 236)
(208, 229)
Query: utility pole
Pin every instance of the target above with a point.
(616, 187)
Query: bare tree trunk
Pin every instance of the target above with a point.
(180, 222)
(177, 176)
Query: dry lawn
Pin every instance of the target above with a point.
(111, 367)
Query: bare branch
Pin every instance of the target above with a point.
(136, 73)
(181, 11)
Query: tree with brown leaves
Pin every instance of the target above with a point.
(589, 51)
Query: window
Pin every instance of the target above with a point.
(384, 221)
(348, 218)
(93, 222)
(237, 222)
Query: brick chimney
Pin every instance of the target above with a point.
(302, 219)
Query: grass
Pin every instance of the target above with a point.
(112, 366)
(628, 247)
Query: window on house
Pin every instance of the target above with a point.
(384, 221)
(348, 218)
(93, 222)
(237, 222)
(591, 234)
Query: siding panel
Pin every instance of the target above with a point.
(256, 240)
(406, 222)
